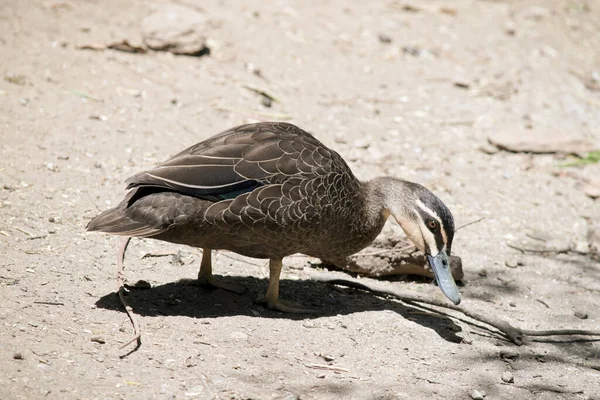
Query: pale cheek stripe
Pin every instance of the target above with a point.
(433, 215)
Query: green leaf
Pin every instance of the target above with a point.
(592, 158)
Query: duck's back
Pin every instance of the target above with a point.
(263, 190)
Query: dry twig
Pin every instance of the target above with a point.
(378, 252)
(516, 335)
(470, 223)
(327, 367)
(137, 335)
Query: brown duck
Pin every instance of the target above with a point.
(269, 190)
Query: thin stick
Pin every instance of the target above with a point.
(516, 335)
(523, 250)
(470, 223)
(49, 303)
(376, 253)
(327, 367)
(137, 334)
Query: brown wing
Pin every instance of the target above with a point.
(241, 159)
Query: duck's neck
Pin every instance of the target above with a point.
(373, 208)
(384, 196)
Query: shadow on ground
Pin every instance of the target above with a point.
(186, 298)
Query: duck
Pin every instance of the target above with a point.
(268, 190)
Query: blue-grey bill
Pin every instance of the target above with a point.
(441, 269)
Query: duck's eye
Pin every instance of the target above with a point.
(431, 224)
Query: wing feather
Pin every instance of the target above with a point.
(239, 160)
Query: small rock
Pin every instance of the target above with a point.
(448, 10)
(476, 395)
(411, 50)
(462, 84)
(98, 339)
(15, 79)
(51, 219)
(580, 246)
(176, 29)
(510, 28)
(383, 38)
(340, 138)
(521, 140)
(18, 356)
(321, 375)
(507, 377)
(511, 263)
(488, 148)
(512, 304)
(581, 314)
(483, 273)
(593, 237)
(592, 189)
(508, 355)
(363, 143)
(266, 101)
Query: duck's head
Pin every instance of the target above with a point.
(428, 223)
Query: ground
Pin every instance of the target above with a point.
(408, 89)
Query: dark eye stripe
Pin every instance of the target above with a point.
(437, 233)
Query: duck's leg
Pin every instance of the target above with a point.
(272, 297)
(206, 277)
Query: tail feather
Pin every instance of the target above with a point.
(114, 221)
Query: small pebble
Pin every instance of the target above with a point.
(461, 84)
(363, 143)
(476, 395)
(18, 356)
(98, 339)
(51, 219)
(483, 273)
(508, 355)
(512, 304)
(510, 28)
(489, 148)
(581, 314)
(511, 263)
(507, 377)
(383, 38)
(266, 101)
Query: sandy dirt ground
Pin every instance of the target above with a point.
(405, 89)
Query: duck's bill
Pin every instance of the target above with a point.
(441, 269)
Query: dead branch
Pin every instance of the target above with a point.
(137, 335)
(516, 335)
(49, 303)
(327, 367)
(559, 250)
(376, 253)
(470, 223)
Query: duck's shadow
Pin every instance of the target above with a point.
(185, 298)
